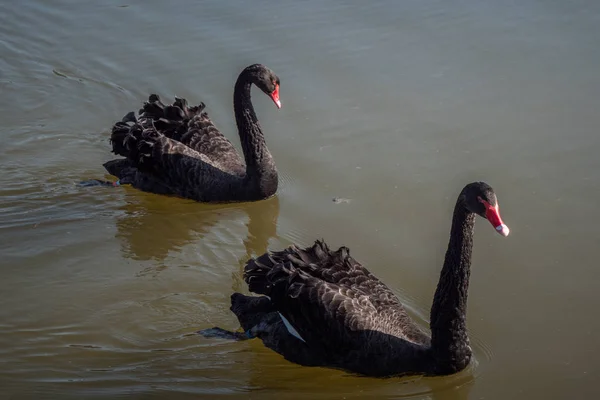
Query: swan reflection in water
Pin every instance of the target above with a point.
(153, 226)
(262, 368)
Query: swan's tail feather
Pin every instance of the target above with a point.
(250, 310)
(253, 314)
(118, 167)
(121, 168)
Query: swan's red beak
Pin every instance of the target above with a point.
(275, 97)
(492, 213)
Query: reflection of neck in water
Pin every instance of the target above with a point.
(263, 369)
(262, 226)
(153, 226)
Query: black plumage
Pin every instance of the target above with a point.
(176, 149)
(346, 318)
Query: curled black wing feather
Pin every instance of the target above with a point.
(323, 313)
(171, 164)
(329, 298)
(176, 148)
(191, 126)
(336, 267)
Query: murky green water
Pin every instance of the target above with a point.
(394, 105)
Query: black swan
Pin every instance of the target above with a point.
(323, 308)
(177, 150)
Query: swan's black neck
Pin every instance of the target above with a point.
(260, 167)
(449, 340)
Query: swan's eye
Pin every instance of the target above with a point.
(484, 202)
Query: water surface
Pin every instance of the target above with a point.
(393, 105)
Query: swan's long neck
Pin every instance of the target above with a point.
(449, 340)
(260, 167)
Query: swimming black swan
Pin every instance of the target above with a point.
(177, 150)
(322, 308)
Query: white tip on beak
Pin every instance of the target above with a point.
(503, 230)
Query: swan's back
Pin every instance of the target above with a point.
(334, 282)
(159, 164)
(192, 126)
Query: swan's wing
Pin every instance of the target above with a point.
(336, 267)
(191, 126)
(324, 293)
(129, 174)
(183, 170)
(337, 323)
(323, 314)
